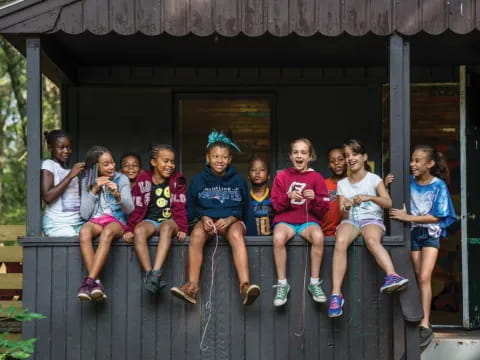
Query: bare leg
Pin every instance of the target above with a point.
(346, 234)
(428, 260)
(314, 235)
(142, 233)
(198, 239)
(87, 233)
(109, 233)
(168, 229)
(234, 236)
(281, 234)
(372, 234)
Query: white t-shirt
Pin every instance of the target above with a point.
(66, 209)
(367, 186)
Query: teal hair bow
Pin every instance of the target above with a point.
(216, 137)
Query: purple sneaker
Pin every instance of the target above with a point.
(97, 291)
(393, 282)
(84, 291)
(335, 307)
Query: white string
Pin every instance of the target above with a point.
(208, 304)
(301, 322)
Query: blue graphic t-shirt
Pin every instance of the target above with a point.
(432, 199)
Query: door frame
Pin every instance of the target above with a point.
(463, 74)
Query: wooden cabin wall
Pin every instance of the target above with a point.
(127, 109)
(133, 324)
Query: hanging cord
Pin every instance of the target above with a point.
(353, 287)
(301, 314)
(208, 304)
(182, 252)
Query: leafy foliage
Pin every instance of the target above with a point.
(14, 349)
(13, 134)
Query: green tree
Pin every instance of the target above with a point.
(13, 133)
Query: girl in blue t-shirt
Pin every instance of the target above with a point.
(431, 211)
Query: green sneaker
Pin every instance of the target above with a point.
(281, 295)
(317, 292)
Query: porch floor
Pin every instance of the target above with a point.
(453, 344)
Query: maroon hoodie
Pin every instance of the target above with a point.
(141, 198)
(294, 212)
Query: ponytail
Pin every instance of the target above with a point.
(440, 169)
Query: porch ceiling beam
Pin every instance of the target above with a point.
(56, 65)
(34, 134)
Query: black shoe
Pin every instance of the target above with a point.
(157, 279)
(426, 336)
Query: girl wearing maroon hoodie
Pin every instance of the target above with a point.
(299, 198)
(159, 199)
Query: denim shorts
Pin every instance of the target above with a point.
(154, 223)
(298, 228)
(420, 239)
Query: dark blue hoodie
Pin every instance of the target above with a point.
(217, 196)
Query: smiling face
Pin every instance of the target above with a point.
(219, 158)
(130, 167)
(355, 161)
(164, 164)
(62, 150)
(106, 165)
(258, 173)
(337, 163)
(420, 164)
(300, 155)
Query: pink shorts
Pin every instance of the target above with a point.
(107, 219)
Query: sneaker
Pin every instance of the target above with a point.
(249, 293)
(153, 281)
(426, 336)
(335, 307)
(281, 295)
(187, 292)
(101, 286)
(97, 291)
(84, 291)
(393, 283)
(317, 292)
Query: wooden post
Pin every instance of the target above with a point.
(34, 135)
(400, 192)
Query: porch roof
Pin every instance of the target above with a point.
(233, 17)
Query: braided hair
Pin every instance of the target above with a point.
(52, 136)
(90, 173)
(219, 139)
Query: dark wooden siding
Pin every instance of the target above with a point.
(132, 324)
(250, 17)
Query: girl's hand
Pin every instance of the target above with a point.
(222, 224)
(347, 205)
(358, 199)
(389, 179)
(399, 214)
(309, 194)
(99, 182)
(208, 223)
(181, 236)
(128, 237)
(76, 169)
(111, 186)
(295, 195)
